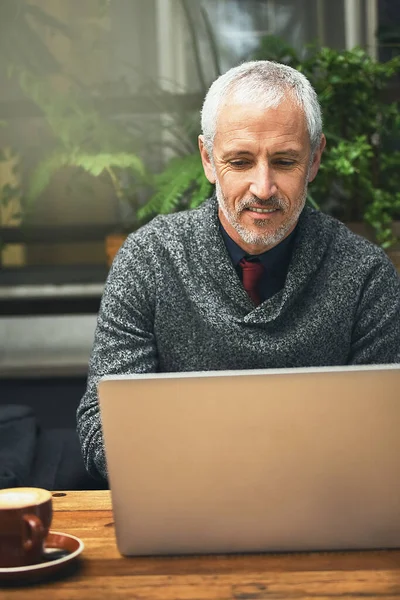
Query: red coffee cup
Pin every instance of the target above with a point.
(25, 518)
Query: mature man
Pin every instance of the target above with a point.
(253, 278)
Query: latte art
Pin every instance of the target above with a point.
(18, 498)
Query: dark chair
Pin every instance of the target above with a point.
(47, 458)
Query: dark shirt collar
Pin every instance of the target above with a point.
(276, 258)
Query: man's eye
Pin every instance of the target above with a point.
(238, 163)
(285, 163)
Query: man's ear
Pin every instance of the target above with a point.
(208, 166)
(317, 159)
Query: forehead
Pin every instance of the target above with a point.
(251, 122)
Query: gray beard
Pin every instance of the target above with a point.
(269, 239)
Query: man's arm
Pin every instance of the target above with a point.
(376, 331)
(124, 343)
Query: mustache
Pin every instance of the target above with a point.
(272, 203)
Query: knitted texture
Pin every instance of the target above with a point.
(173, 302)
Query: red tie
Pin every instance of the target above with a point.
(252, 272)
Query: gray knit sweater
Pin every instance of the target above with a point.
(173, 302)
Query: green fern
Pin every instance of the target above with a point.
(204, 190)
(94, 164)
(43, 174)
(181, 185)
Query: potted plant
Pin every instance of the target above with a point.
(83, 140)
(360, 174)
(359, 178)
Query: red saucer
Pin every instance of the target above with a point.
(55, 540)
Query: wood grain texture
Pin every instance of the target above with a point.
(103, 573)
(82, 500)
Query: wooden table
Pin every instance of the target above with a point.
(102, 573)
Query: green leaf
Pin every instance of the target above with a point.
(182, 184)
(42, 175)
(95, 164)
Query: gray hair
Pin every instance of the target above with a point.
(265, 82)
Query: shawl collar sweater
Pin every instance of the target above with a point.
(174, 302)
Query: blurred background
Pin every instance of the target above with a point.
(99, 117)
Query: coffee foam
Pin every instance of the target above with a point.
(20, 497)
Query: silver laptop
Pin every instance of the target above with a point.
(254, 461)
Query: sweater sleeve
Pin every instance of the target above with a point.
(124, 342)
(376, 330)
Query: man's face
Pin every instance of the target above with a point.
(261, 167)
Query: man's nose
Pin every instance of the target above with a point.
(263, 183)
